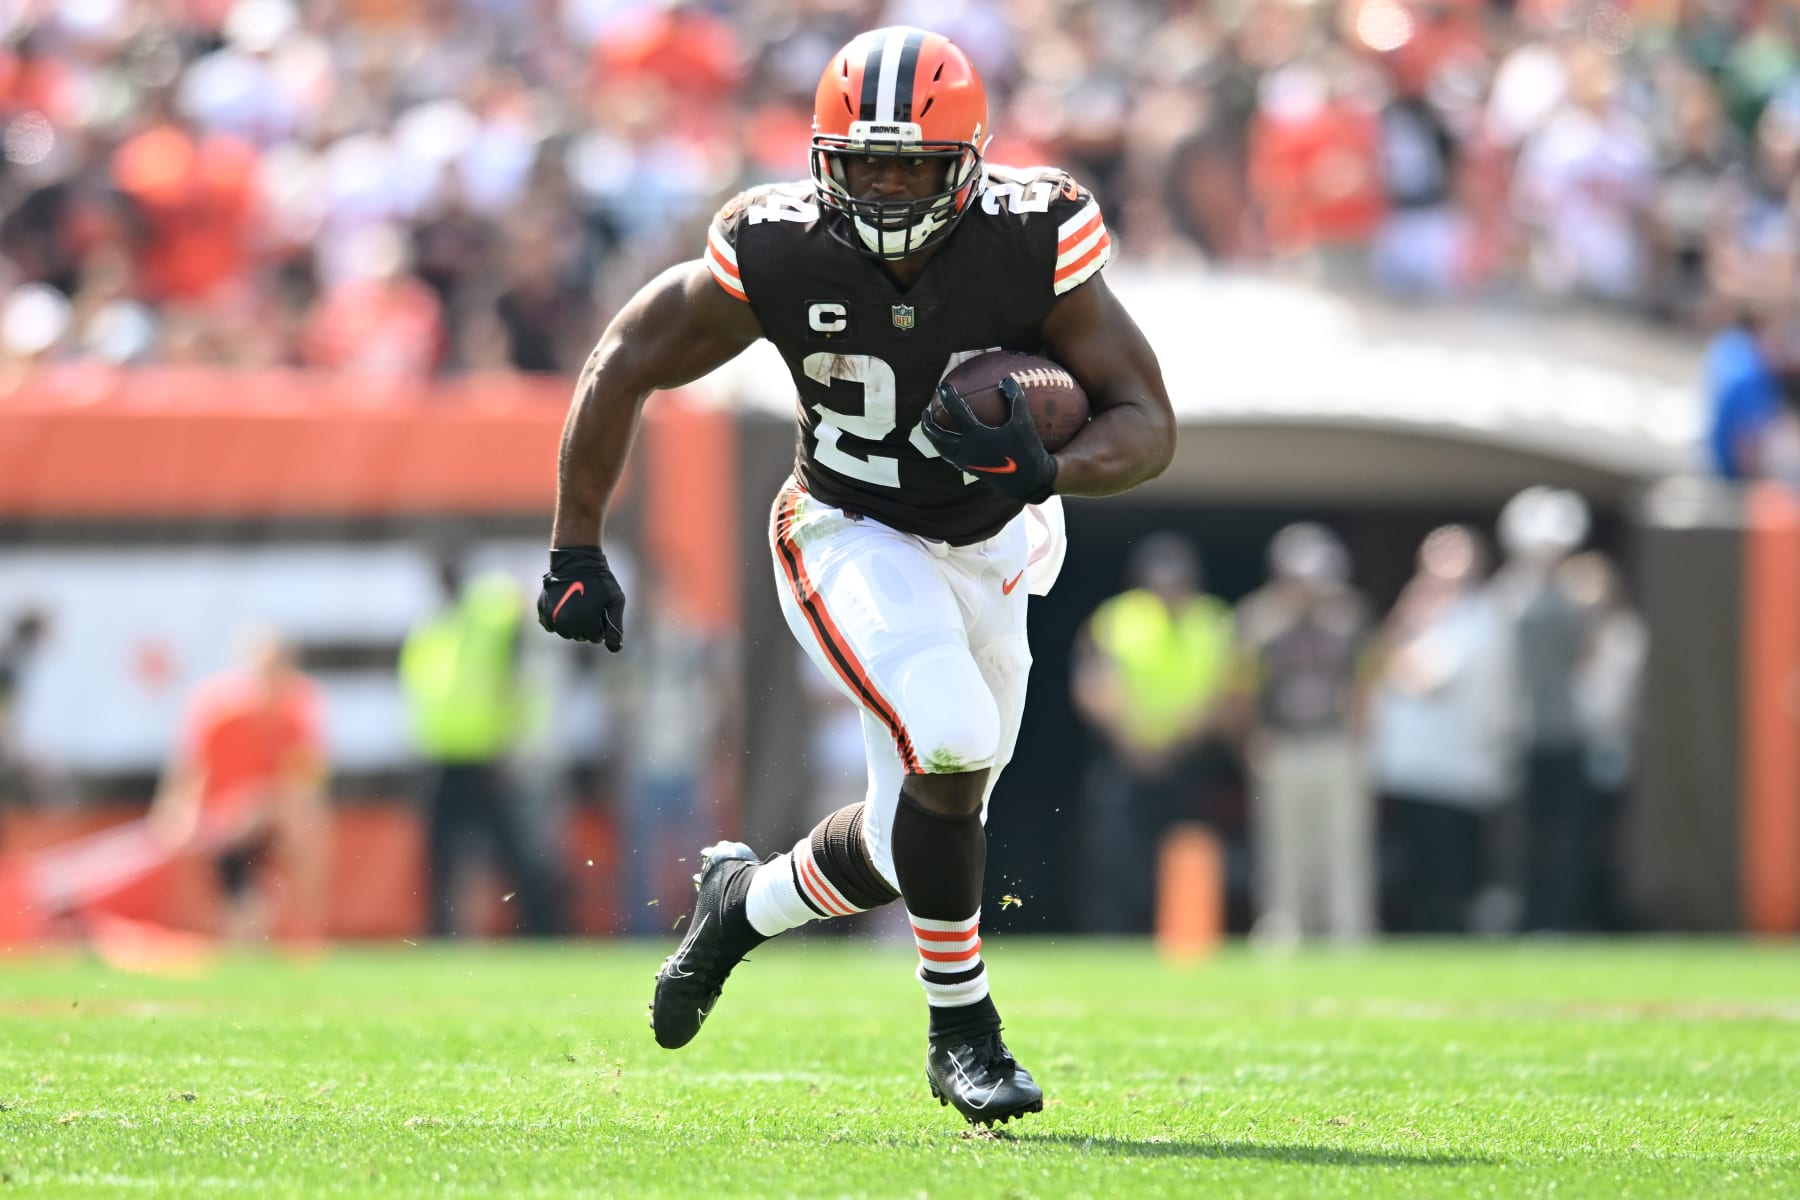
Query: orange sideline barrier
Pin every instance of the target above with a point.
(1770, 835)
(378, 877)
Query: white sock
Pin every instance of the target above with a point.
(950, 964)
(789, 890)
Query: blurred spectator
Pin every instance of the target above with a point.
(1442, 717)
(1583, 189)
(30, 625)
(1312, 822)
(1152, 667)
(1699, 149)
(460, 671)
(246, 787)
(235, 151)
(545, 315)
(380, 318)
(1313, 153)
(1752, 252)
(1540, 528)
(192, 199)
(1744, 397)
(1609, 684)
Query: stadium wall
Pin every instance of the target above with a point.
(199, 496)
(156, 514)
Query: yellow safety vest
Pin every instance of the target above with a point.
(1172, 665)
(459, 673)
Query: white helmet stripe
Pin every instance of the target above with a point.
(890, 72)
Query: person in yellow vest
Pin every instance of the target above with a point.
(1153, 666)
(459, 669)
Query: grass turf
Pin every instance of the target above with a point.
(1583, 1069)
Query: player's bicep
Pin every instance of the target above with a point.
(1089, 332)
(679, 327)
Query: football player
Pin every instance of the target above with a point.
(899, 543)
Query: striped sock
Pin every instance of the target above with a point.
(789, 890)
(950, 964)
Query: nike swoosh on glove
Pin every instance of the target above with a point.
(1009, 458)
(581, 600)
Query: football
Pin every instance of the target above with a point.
(1059, 406)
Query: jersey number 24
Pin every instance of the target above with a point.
(877, 421)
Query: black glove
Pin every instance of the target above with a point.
(581, 599)
(1009, 458)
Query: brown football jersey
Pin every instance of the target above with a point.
(867, 355)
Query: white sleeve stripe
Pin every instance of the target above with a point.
(730, 282)
(1088, 212)
(712, 256)
(721, 246)
(1065, 282)
(1073, 253)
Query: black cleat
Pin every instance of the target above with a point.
(981, 1078)
(690, 980)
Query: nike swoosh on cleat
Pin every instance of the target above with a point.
(970, 1085)
(1008, 469)
(673, 969)
(575, 589)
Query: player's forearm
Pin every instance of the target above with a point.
(1120, 448)
(596, 438)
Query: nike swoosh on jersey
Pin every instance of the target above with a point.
(1008, 469)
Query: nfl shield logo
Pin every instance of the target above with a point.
(903, 316)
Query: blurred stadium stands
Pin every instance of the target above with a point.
(409, 186)
(270, 275)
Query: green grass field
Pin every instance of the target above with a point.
(1605, 1070)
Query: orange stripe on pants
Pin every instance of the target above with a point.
(831, 639)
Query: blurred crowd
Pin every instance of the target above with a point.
(1459, 766)
(415, 186)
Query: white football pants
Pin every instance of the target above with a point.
(927, 638)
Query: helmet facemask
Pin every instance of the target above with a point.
(896, 228)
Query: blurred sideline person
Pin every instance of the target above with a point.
(247, 788)
(30, 626)
(1304, 637)
(1442, 716)
(901, 545)
(1556, 821)
(1151, 672)
(459, 669)
(1609, 686)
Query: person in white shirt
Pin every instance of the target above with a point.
(1440, 741)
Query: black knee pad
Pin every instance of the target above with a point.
(839, 851)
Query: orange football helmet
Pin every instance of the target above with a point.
(908, 93)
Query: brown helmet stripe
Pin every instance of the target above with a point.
(903, 81)
(887, 81)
